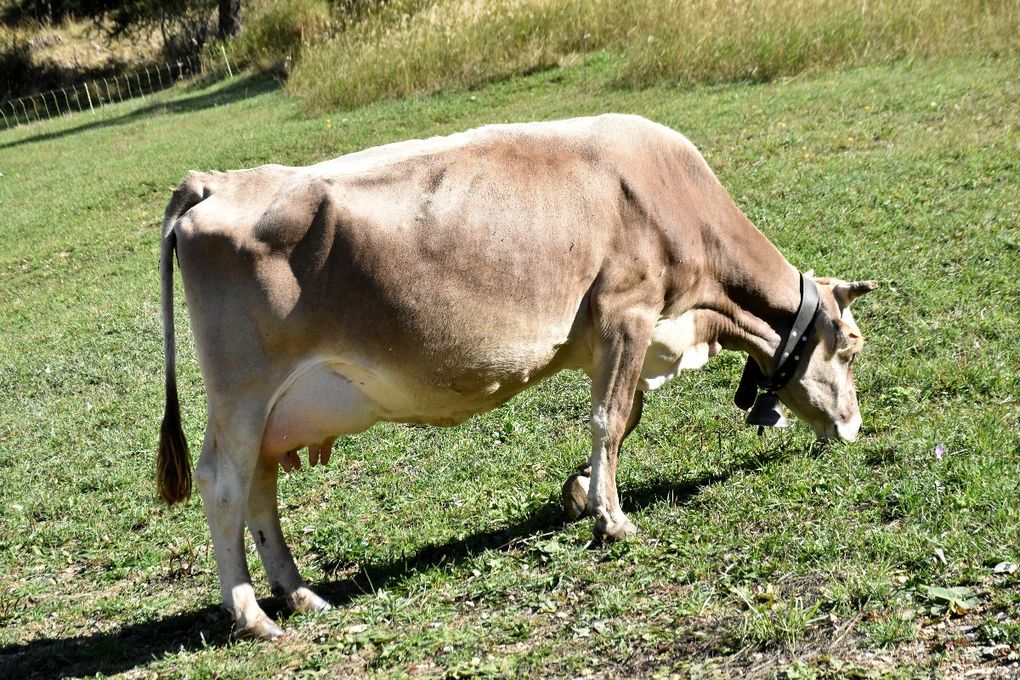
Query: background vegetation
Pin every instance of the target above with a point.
(49, 44)
(347, 53)
(444, 549)
(411, 47)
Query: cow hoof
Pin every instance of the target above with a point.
(613, 532)
(305, 601)
(263, 628)
(575, 497)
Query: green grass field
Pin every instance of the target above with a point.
(444, 550)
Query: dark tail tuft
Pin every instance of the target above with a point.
(173, 463)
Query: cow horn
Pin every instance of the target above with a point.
(846, 293)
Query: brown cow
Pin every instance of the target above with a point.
(427, 281)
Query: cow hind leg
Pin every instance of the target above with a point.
(224, 475)
(264, 523)
(575, 489)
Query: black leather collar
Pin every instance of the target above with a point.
(789, 354)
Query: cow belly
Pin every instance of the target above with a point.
(316, 406)
(329, 397)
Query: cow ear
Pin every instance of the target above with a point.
(846, 292)
(849, 341)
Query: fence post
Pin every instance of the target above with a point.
(223, 50)
(88, 95)
(24, 109)
(6, 124)
(169, 73)
(67, 100)
(56, 104)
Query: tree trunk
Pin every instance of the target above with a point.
(58, 10)
(230, 18)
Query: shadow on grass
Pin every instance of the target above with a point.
(240, 88)
(137, 644)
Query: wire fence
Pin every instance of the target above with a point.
(94, 95)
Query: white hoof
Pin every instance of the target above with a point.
(305, 601)
(263, 628)
(613, 531)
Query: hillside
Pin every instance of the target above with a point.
(443, 550)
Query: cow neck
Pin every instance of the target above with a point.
(760, 294)
(763, 324)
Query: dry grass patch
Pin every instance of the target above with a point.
(415, 47)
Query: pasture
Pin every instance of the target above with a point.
(443, 550)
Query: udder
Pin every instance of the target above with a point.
(311, 412)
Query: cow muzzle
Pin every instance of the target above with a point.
(846, 432)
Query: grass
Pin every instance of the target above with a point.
(413, 47)
(443, 549)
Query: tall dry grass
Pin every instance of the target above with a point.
(275, 34)
(411, 47)
(714, 40)
(445, 44)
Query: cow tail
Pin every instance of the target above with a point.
(173, 462)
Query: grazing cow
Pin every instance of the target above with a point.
(427, 281)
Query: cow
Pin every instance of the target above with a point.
(430, 280)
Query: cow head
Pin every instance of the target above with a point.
(823, 393)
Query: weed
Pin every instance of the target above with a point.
(891, 630)
(776, 623)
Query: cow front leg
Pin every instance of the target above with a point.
(264, 524)
(575, 490)
(223, 475)
(618, 360)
